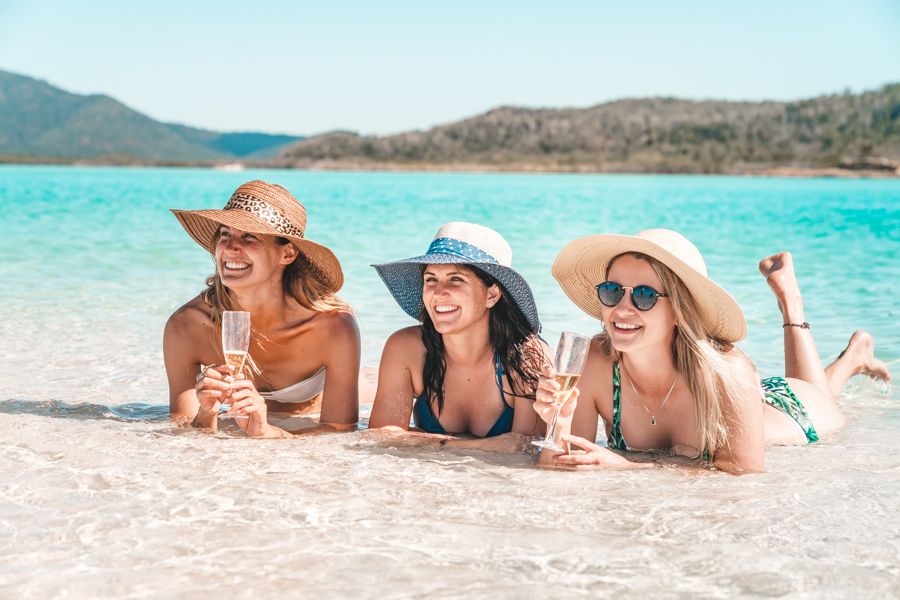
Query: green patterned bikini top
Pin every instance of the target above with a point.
(615, 440)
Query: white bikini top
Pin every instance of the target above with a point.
(302, 391)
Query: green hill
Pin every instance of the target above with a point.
(42, 121)
(640, 135)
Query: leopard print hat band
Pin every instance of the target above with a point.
(265, 208)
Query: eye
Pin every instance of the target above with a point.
(249, 236)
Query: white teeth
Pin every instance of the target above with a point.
(628, 326)
(445, 308)
(236, 265)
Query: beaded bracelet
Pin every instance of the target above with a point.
(803, 325)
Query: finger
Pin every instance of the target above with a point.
(243, 384)
(244, 408)
(214, 384)
(245, 394)
(569, 403)
(215, 372)
(548, 371)
(575, 459)
(581, 443)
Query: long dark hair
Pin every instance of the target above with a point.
(509, 335)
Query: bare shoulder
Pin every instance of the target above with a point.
(599, 364)
(406, 343)
(190, 320)
(337, 325)
(741, 364)
(596, 381)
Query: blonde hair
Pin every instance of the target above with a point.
(698, 357)
(300, 280)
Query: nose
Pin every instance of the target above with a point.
(626, 304)
(231, 243)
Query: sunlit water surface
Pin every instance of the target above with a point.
(103, 497)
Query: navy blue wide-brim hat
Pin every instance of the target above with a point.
(460, 243)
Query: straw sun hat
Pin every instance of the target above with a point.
(582, 265)
(462, 244)
(269, 209)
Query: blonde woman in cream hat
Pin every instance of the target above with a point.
(665, 375)
(471, 365)
(304, 345)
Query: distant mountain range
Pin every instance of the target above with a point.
(838, 132)
(662, 135)
(40, 121)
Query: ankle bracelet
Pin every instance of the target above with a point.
(803, 325)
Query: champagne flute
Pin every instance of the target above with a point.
(235, 345)
(571, 353)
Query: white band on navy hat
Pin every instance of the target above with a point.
(464, 250)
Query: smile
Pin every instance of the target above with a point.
(236, 266)
(626, 326)
(445, 308)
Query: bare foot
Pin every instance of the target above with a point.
(778, 270)
(860, 351)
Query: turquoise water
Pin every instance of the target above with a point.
(97, 484)
(95, 251)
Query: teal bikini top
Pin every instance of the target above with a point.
(425, 419)
(615, 440)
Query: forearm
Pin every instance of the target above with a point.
(404, 437)
(273, 432)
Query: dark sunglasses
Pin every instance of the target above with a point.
(643, 296)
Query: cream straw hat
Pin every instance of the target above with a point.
(583, 263)
(269, 209)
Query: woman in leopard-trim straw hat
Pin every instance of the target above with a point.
(304, 346)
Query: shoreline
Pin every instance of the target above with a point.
(800, 172)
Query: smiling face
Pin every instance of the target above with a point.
(245, 259)
(629, 328)
(456, 298)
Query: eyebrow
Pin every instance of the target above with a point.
(428, 272)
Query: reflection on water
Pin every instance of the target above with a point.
(134, 411)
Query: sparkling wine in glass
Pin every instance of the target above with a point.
(235, 344)
(571, 353)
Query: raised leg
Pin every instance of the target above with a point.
(801, 359)
(858, 358)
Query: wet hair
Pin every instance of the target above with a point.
(510, 336)
(300, 281)
(699, 358)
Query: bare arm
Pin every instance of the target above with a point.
(745, 422)
(182, 361)
(395, 395)
(340, 398)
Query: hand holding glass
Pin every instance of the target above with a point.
(571, 354)
(235, 345)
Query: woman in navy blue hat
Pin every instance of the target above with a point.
(472, 364)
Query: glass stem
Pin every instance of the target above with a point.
(551, 430)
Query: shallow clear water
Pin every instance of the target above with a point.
(102, 497)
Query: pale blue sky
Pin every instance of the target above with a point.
(387, 66)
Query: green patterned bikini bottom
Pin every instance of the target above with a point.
(777, 393)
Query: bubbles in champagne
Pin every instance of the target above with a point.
(236, 360)
(566, 381)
